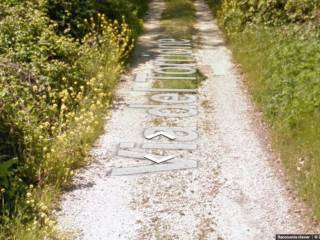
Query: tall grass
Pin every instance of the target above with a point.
(281, 64)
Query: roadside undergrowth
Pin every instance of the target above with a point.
(57, 142)
(178, 21)
(280, 55)
(57, 77)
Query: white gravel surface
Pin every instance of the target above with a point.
(234, 193)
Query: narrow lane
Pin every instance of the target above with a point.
(180, 164)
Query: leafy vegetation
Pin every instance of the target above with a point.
(277, 44)
(72, 16)
(59, 63)
(238, 14)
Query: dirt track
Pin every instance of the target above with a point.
(234, 193)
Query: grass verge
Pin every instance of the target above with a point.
(56, 150)
(282, 73)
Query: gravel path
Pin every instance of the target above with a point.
(234, 193)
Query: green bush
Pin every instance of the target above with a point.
(236, 14)
(56, 80)
(71, 15)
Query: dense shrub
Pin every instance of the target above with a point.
(71, 15)
(57, 75)
(236, 14)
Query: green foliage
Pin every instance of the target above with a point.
(283, 74)
(71, 15)
(56, 81)
(277, 44)
(285, 69)
(236, 14)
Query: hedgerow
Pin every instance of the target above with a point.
(57, 75)
(237, 14)
(277, 44)
(71, 16)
